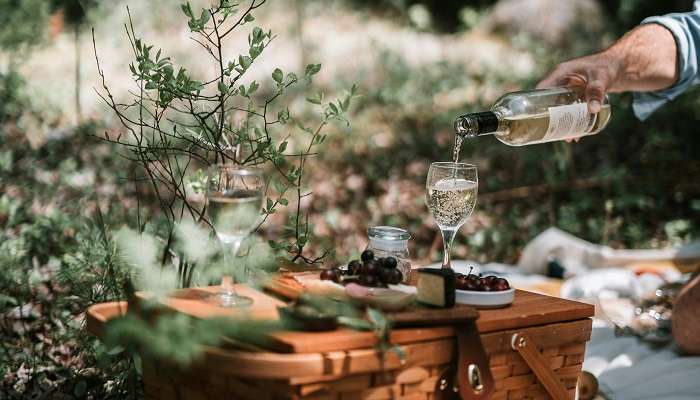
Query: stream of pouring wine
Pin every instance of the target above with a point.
(455, 154)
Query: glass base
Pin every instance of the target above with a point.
(229, 300)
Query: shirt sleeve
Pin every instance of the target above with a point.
(685, 28)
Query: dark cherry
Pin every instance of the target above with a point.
(393, 276)
(500, 284)
(370, 267)
(462, 282)
(354, 267)
(485, 284)
(471, 285)
(330, 275)
(367, 255)
(490, 279)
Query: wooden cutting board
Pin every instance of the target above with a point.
(528, 309)
(196, 302)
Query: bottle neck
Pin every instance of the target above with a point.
(477, 124)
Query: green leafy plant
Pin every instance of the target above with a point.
(179, 124)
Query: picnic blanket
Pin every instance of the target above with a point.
(626, 367)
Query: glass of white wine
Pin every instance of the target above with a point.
(234, 205)
(450, 193)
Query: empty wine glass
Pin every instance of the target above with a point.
(234, 205)
(450, 193)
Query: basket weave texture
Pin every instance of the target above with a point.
(365, 374)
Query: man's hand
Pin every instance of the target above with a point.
(642, 60)
(597, 73)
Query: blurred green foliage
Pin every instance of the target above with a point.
(23, 23)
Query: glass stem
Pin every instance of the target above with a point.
(227, 281)
(447, 238)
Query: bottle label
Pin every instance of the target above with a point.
(567, 122)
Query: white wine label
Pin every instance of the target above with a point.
(567, 121)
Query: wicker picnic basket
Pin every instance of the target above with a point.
(535, 349)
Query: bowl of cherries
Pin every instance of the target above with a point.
(368, 271)
(483, 291)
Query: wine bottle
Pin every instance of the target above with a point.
(536, 116)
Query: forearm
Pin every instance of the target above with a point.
(646, 59)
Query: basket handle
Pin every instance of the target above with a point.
(522, 343)
(470, 377)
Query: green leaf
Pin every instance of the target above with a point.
(312, 69)
(204, 18)
(223, 88)
(278, 75)
(333, 108)
(186, 9)
(284, 202)
(278, 186)
(245, 61)
(283, 147)
(317, 99)
(254, 51)
(249, 18)
(358, 324)
(253, 87)
(257, 33)
(270, 204)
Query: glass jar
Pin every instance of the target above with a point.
(388, 241)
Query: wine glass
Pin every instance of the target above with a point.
(234, 204)
(450, 194)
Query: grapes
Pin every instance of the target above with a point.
(368, 280)
(393, 276)
(370, 271)
(354, 267)
(370, 267)
(390, 262)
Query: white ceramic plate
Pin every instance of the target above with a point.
(485, 299)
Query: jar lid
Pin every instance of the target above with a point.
(388, 233)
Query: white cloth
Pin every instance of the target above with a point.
(578, 255)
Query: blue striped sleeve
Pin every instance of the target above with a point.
(685, 28)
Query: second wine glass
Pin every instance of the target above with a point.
(450, 193)
(234, 197)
